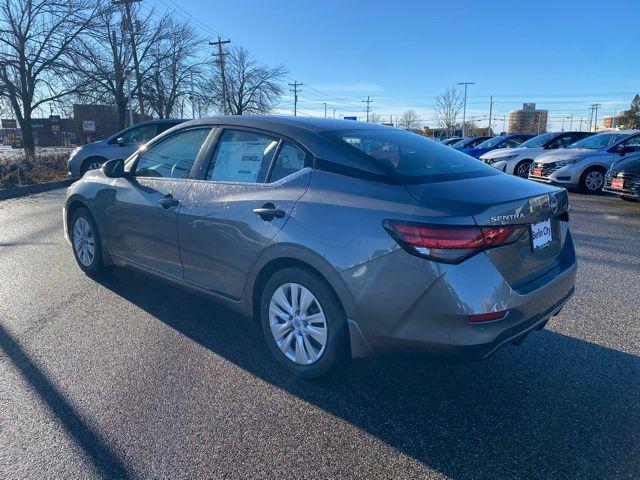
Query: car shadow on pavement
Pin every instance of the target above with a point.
(555, 407)
(104, 459)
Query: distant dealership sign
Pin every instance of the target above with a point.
(88, 126)
(9, 123)
(351, 118)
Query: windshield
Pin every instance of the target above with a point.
(538, 141)
(462, 143)
(492, 142)
(412, 158)
(598, 142)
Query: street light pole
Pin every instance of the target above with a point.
(464, 108)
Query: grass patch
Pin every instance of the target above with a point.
(22, 170)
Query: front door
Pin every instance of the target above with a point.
(227, 219)
(142, 209)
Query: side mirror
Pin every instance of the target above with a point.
(114, 168)
(120, 141)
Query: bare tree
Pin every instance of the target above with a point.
(37, 36)
(104, 59)
(409, 120)
(173, 67)
(251, 88)
(448, 106)
(375, 117)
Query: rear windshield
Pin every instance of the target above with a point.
(412, 158)
(596, 142)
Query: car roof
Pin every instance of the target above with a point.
(281, 123)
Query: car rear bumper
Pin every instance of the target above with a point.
(431, 312)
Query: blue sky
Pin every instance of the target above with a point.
(563, 55)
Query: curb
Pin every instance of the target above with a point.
(15, 192)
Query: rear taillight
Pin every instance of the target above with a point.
(449, 243)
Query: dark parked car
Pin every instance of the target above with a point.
(344, 239)
(469, 142)
(450, 141)
(119, 145)
(623, 178)
(503, 141)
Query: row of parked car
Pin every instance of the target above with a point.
(608, 161)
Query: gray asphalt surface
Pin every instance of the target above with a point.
(130, 377)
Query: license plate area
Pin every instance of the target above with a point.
(617, 183)
(541, 234)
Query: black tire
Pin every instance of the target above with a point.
(336, 353)
(524, 165)
(90, 161)
(96, 266)
(584, 188)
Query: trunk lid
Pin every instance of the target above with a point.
(507, 200)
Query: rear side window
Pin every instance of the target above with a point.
(411, 158)
(172, 157)
(242, 157)
(289, 161)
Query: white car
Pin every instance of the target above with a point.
(517, 161)
(584, 164)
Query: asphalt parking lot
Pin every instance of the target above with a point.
(129, 377)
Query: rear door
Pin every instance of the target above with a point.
(245, 197)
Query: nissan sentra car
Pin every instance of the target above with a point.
(342, 239)
(502, 142)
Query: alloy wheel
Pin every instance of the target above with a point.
(594, 180)
(84, 242)
(298, 323)
(94, 166)
(523, 170)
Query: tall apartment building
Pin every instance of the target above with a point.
(528, 120)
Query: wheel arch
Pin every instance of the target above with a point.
(284, 256)
(91, 159)
(74, 203)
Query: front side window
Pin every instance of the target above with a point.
(141, 134)
(289, 161)
(411, 158)
(174, 156)
(633, 142)
(242, 156)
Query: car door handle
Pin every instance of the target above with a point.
(168, 201)
(269, 211)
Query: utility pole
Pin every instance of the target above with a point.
(325, 109)
(295, 86)
(580, 122)
(223, 79)
(613, 120)
(131, 28)
(571, 122)
(368, 101)
(490, 113)
(334, 113)
(464, 108)
(596, 106)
